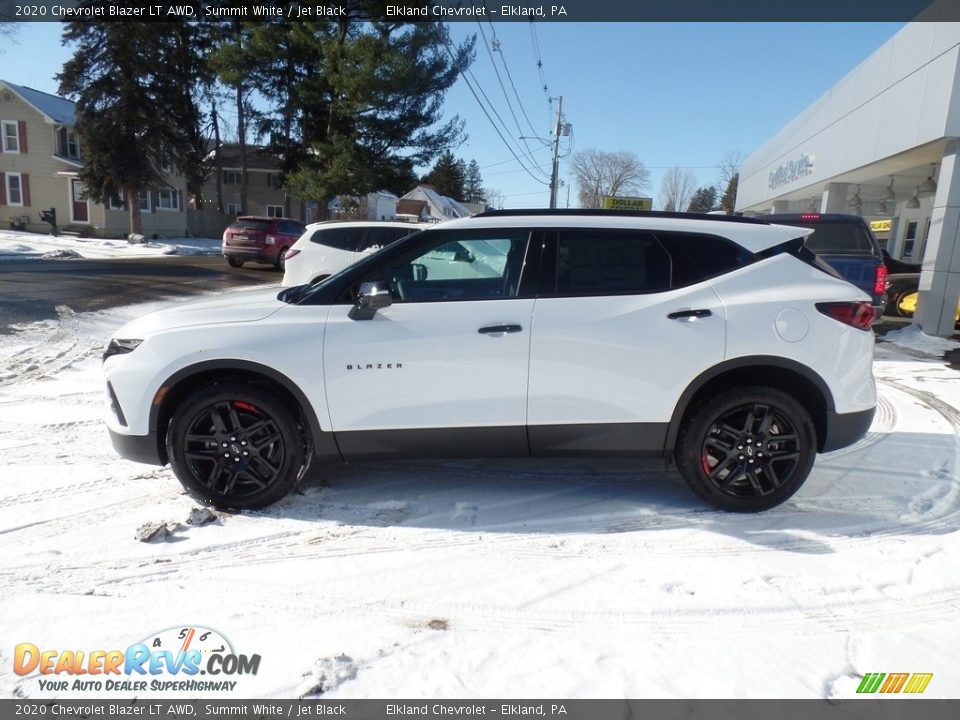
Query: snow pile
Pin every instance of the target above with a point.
(537, 578)
(14, 244)
(913, 338)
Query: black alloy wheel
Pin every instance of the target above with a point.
(747, 449)
(234, 445)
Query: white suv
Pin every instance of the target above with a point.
(326, 248)
(721, 343)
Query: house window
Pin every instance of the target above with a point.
(73, 145)
(14, 189)
(274, 210)
(231, 177)
(145, 200)
(273, 180)
(233, 208)
(11, 136)
(116, 202)
(168, 199)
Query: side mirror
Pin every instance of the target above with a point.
(373, 296)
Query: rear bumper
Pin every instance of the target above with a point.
(139, 448)
(263, 254)
(845, 429)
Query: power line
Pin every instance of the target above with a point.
(498, 47)
(464, 74)
(502, 87)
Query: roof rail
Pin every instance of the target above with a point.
(598, 212)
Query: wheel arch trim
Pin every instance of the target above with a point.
(324, 444)
(734, 364)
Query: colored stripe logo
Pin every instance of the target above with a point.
(912, 683)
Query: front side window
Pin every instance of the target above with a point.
(14, 189)
(477, 265)
(597, 262)
(11, 137)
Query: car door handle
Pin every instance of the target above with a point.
(493, 329)
(689, 314)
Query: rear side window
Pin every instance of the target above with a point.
(252, 225)
(840, 238)
(380, 237)
(289, 227)
(341, 238)
(596, 262)
(700, 257)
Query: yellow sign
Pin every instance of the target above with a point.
(627, 203)
(880, 225)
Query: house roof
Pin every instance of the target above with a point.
(447, 207)
(53, 107)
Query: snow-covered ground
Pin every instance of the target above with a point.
(545, 578)
(15, 245)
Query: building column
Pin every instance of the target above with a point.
(834, 199)
(940, 277)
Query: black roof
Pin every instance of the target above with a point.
(598, 212)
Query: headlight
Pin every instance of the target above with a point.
(120, 347)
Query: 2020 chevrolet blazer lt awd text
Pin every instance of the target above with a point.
(720, 343)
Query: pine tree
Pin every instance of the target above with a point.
(370, 106)
(703, 200)
(473, 183)
(729, 199)
(447, 176)
(134, 106)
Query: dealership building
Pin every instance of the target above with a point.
(884, 142)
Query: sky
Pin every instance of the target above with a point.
(675, 94)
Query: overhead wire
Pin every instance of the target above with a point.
(464, 74)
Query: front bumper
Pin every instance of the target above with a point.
(845, 429)
(139, 448)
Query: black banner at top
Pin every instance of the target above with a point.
(487, 10)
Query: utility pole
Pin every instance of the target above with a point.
(556, 154)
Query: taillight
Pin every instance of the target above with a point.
(855, 314)
(292, 253)
(880, 280)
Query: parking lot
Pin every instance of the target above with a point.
(417, 579)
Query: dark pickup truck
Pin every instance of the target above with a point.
(846, 244)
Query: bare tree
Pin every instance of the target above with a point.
(601, 173)
(727, 181)
(677, 189)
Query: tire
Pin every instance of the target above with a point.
(747, 449)
(234, 262)
(235, 445)
(281, 262)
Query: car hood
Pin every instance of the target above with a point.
(228, 307)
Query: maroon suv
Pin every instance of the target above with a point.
(261, 239)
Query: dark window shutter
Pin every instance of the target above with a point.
(63, 142)
(154, 200)
(25, 189)
(22, 129)
(3, 189)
